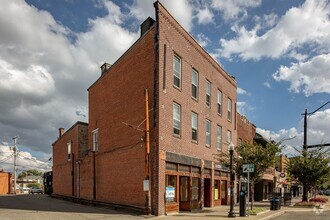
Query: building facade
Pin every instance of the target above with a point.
(192, 113)
(6, 181)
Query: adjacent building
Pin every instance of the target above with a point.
(5, 182)
(192, 117)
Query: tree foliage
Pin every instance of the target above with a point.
(26, 173)
(310, 168)
(263, 157)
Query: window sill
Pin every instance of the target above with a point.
(193, 141)
(177, 88)
(195, 99)
(177, 136)
(208, 146)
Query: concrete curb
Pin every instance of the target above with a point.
(273, 215)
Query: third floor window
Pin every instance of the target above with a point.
(177, 71)
(219, 103)
(229, 115)
(208, 93)
(194, 84)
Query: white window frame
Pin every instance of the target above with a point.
(208, 133)
(176, 118)
(219, 137)
(95, 140)
(69, 150)
(194, 84)
(219, 103)
(177, 75)
(229, 108)
(229, 137)
(208, 93)
(194, 127)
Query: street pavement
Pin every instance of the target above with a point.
(43, 207)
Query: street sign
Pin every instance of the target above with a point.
(248, 168)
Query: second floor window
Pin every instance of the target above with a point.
(219, 137)
(194, 122)
(208, 93)
(96, 140)
(177, 71)
(194, 84)
(176, 118)
(228, 137)
(208, 133)
(229, 116)
(219, 103)
(69, 150)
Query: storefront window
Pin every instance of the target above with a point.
(216, 189)
(223, 189)
(170, 188)
(195, 189)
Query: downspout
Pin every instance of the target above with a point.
(72, 173)
(94, 177)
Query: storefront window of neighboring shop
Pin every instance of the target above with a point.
(216, 189)
(170, 188)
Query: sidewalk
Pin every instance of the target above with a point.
(221, 212)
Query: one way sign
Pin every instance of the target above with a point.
(248, 168)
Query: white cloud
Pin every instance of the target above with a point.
(204, 16)
(202, 40)
(44, 75)
(181, 10)
(313, 29)
(308, 77)
(243, 108)
(267, 84)
(25, 161)
(317, 132)
(241, 91)
(232, 9)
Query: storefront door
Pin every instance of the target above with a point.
(224, 192)
(184, 186)
(207, 193)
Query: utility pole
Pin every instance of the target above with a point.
(147, 151)
(15, 157)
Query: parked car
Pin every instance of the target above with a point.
(327, 192)
(26, 190)
(35, 189)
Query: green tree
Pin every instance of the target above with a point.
(32, 172)
(310, 168)
(262, 157)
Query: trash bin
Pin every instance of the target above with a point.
(277, 201)
(242, 204)
(272, 203)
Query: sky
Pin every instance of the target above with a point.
(51, 52)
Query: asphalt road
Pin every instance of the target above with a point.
(43, 207)
(317, 214)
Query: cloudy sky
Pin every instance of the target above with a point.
(51, 51)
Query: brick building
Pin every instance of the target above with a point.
(192, 102)
(6, 181)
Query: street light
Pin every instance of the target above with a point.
(232, 179)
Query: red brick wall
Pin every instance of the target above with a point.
(117, 97)
(245, 129)
(62, 167)
(179, 42)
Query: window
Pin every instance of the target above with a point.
(176, 119)
(96, 140)
(69, 150)
(170, 188)
(216, 189)
(194, 122)
(208, 133)
(219, 137)
(239, 141)
(208, 93)
(228, 137)
(194, 84)
(219, 102)
(229, 109)
(177, 71)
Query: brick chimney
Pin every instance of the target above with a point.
(60, 132)
(146, 25)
